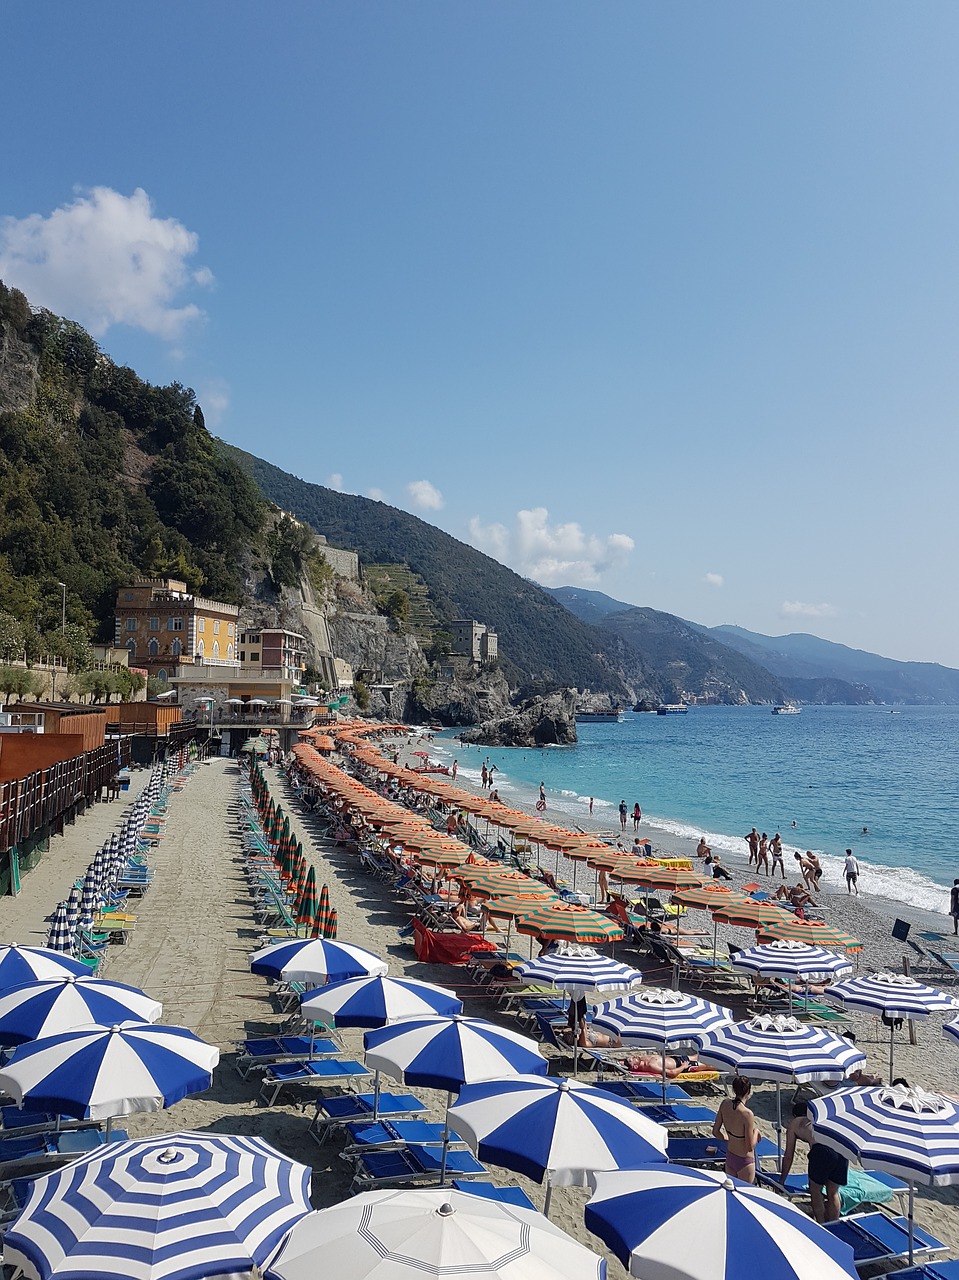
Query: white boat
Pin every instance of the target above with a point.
(786, 709)
(672, 709)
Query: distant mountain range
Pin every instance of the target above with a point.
(807, 667)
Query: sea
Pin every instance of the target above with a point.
(880, 780)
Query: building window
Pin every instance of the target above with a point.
(243, 655)
(174, 624)
(229, 628)
(255, 657)
(201, 624)
(154, 648)
(229, 652)
(176, 648)
(154, 624)
(216, 651)
(216, 626)
(132, 648)
(128, 595)
(131, 624)
(199, 648)
(161, 674)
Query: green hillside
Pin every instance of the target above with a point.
(539, 640)
(102, 477)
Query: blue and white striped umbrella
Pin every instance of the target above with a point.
(776, 1047)
(950, 1029)
(661, 1016)
(315, 960)
(573, 967)
(555, 1128)
(671, 1223)
(909, 1133)
(894, 994)
(446, 1053)
(60, 937)
(89, 897)
(73, 910)
(787, 958)
(177, 1207)
(98, 1072)
(39, 1009)
(19, 965)
(377, 1002)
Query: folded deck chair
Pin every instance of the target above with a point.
(412, 1164)
(875, 1237)
(254, 1055)
(349, 1108)
(372, 1135)
(324, 1071)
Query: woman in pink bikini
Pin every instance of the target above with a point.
(737, 1124)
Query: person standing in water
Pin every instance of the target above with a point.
(637, 817)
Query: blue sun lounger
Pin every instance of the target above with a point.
(322, 1071)
(874, 1237)
(412, 1164)
(349, 1108)
(711, 1151)
(862, 1188)
(383, 1134)
(253, 1055)
(643, 1093)
(515, 1196)
(947, 1270)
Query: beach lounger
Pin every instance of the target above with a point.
(333, 1113)
(679, 1115)
(861, 1188)
(518, 1197)
(875, 1237)
(373, 1135)
(642, 1094)
(324, 1071)
(254, 1055)
(948, 1269)
(417, 1164)
(711, 1151)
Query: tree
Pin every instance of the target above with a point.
(9, 681)
(361, 694)
(72, 644)
(12, 639)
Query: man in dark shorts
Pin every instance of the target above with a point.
(954, 906)
(828, 1170)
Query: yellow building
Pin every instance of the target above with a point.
(168, 630)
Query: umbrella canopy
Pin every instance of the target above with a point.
(60, 937)
(906, 1132)
(549, 1126)
(892, 994)
(670, 1223)
(377, 1002)
(315, 960)
(667, 878)
(446, 1053)
(39, 1009)
(787, 958)
(708, 895)
(321, 920)
(570, 922)
(951, 1029)
(177, 1207)
(19, 965)
(780, 1048)
(814, 932)
(438, 1233)
(748, 914)
(660, 1016)
(579, 968)
(99, 1072)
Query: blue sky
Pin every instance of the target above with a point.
(657, 299)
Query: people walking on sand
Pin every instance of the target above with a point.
(603, 882)
(954, 905)
(489, 774)
(483, 775)
(454, 769)
(541, 802)
(776, 853)
(637, 816)
(812, 860)
(762, 854)
(737, 1124)
(851, 868)
(623, 814)
(753, 841)
(591, 805)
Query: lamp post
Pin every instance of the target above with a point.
(63, 611)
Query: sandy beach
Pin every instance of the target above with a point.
(195, 932)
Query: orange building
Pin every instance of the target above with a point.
(167, 629)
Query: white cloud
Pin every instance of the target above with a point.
(425, 495)
(376, 494)
(553, 554)
(214, 399)
(713, 579)
(797, 609)
(335, 481)
(105, 259)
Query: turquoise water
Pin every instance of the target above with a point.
(718, 770)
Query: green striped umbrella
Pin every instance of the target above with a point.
(306, 902)
(321, 920)
(570, 923)
(331, 924)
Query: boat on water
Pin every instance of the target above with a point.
(599, 717)
(672, 709)
(786, 709)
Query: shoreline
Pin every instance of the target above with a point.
(521, 795)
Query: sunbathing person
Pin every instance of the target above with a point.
(643, 1062)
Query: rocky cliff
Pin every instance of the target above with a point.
(539, 722)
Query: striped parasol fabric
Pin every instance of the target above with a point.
(74, 902)
(446, 1053)
(60, 935)
(571, 923)
(893, 994)
(787, 958)
(315, 960)
(667, 878)
(19, 965)
(89, 897)
(665, 1222)
(907, 1132)
(321, 919)
(306, 901)
(573, 967)
(331, 924)
(377, 1002)
(777, 1047)
(660, 1016)
(40, 1009)
(174, 1207)
(951, 1029)
(713, 894)
(747, 914)
(517, 904)
(814, 932)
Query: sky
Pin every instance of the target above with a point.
(654, 299)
